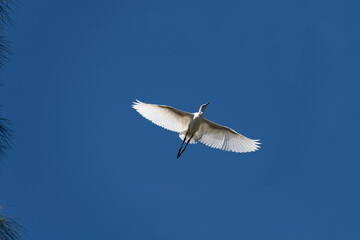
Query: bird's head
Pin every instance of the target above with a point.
(203, 107)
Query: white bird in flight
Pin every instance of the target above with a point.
(193, 127)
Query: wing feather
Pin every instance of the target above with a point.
(224, 138)
(164, 116)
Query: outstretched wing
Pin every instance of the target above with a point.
(167, 117)
(224, 138)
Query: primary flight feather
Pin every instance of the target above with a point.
(193, 128)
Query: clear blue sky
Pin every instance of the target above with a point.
(85, 165)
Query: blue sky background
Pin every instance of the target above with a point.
(85, 165)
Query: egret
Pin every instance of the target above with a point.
(193, 127)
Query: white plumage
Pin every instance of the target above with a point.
(196, 128)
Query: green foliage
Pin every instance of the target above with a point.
(5, 137)
(5, 20)
(10, 229)
(5, 9)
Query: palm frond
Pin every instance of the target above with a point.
(5, 9)
(10, 229)
(5, 139)
(5, 20)
(5, 136)
(4, 51)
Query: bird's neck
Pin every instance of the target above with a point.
(199, 114)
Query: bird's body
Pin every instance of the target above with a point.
(193, 127)
(195, 123)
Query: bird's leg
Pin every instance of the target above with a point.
(179, 154)
(182, 143)
(187, 143)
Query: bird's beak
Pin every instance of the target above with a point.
(207, 104)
